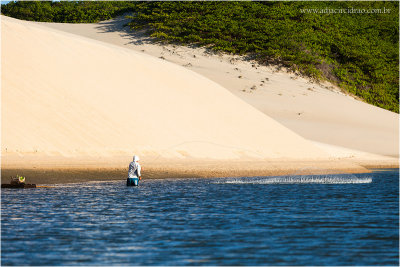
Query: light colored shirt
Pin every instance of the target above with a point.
(134, 170)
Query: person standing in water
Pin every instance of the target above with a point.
(134, 173)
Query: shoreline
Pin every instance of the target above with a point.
(48, 175)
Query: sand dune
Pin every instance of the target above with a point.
(320, 113)
(72, 102)
(71, 96)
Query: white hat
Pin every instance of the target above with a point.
(136, 158)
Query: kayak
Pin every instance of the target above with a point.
(132, 182)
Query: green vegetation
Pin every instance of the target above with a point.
(359, 52)
(66, 11)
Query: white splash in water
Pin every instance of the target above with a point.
(298, 180)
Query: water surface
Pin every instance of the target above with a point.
(298, 220)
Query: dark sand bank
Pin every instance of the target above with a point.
(183, 170)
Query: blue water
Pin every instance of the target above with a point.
(299, 220)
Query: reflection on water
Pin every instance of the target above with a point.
(298, 220)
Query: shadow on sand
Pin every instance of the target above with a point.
(120, 25)
(139, 37)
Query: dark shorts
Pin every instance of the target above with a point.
(132, 181)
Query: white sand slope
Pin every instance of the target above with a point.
(316, 112)
(70, 96)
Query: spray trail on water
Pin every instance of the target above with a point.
(298, 180)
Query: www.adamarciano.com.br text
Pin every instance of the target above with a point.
(345, 11)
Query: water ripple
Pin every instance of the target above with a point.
(286, 220)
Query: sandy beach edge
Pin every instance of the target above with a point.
(69, 174)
